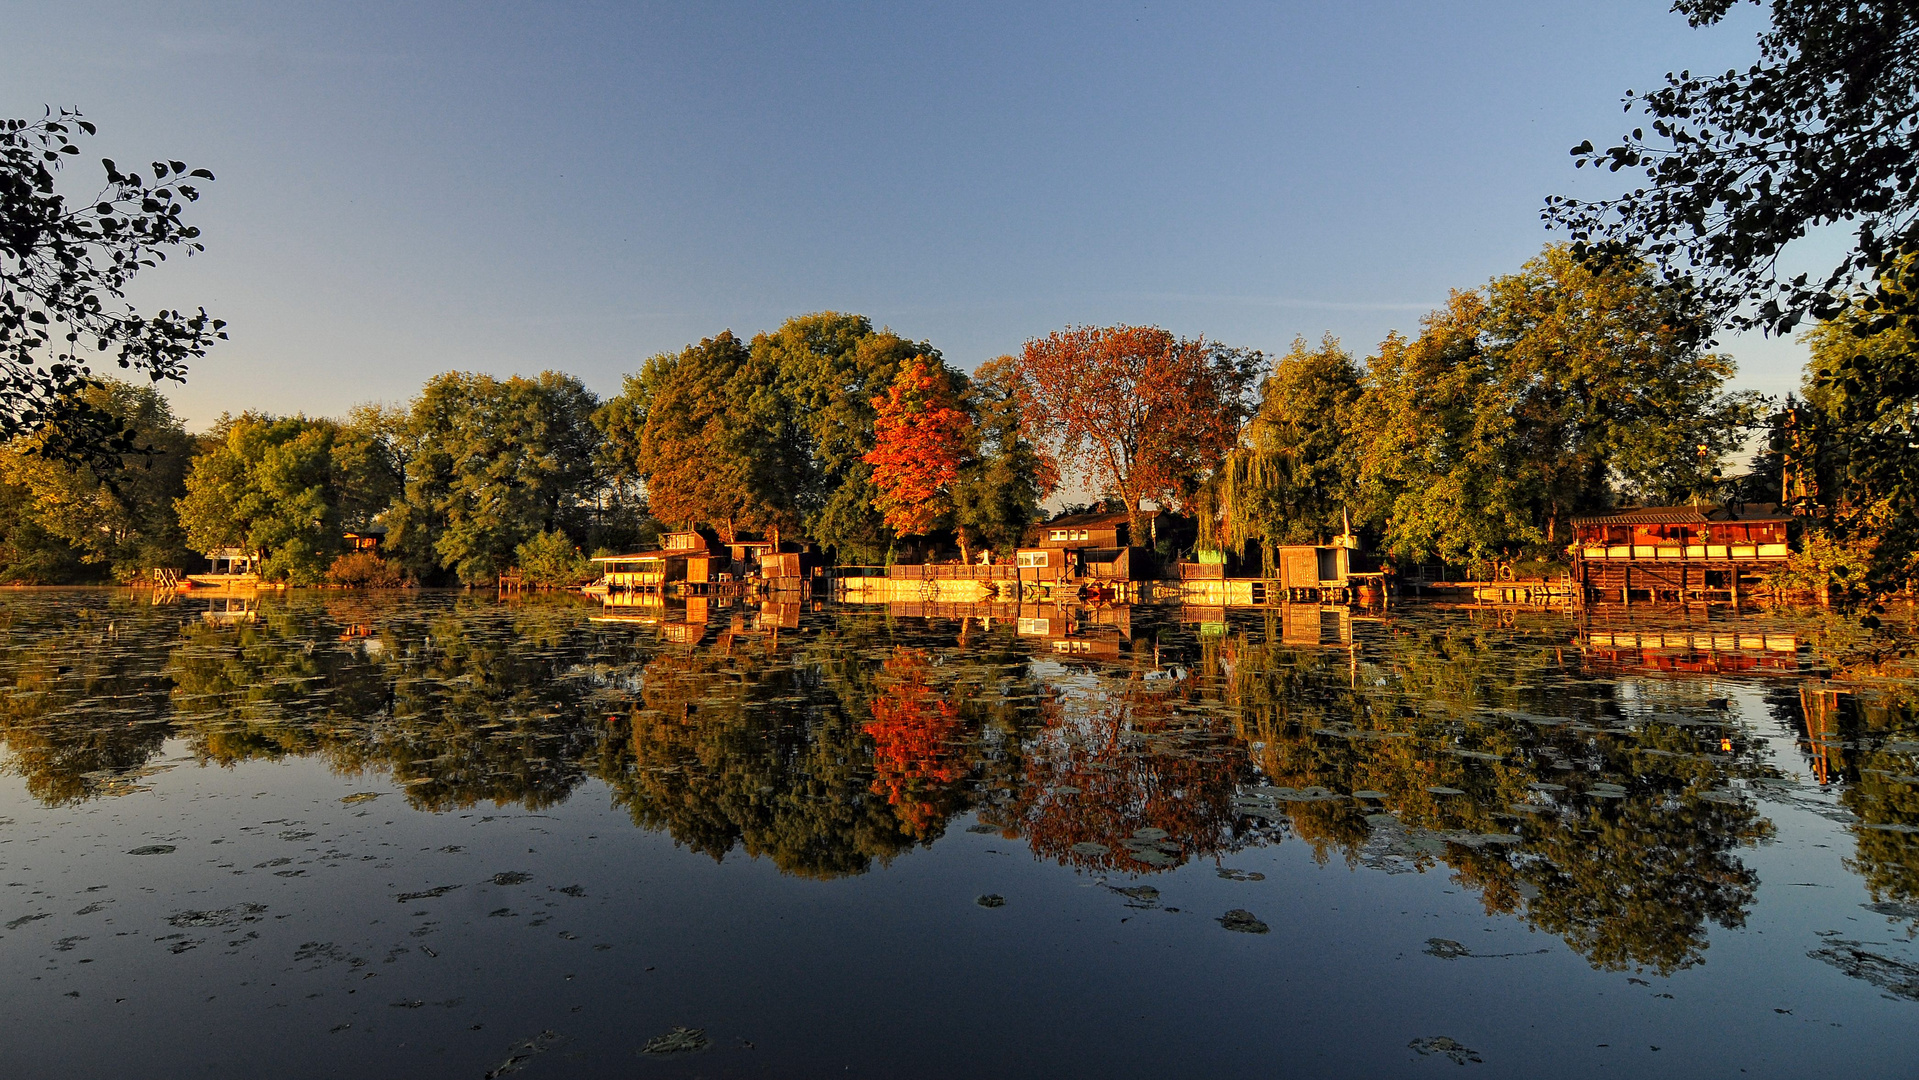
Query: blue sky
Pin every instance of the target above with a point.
(406, 189)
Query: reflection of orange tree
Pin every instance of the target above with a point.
(917, 759)
(1111, 761)
(731, 751)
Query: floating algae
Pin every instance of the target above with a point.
(680, 1040)
(512, 877)
(1852, 957)
(991, 900)
(1242, 921)
(360, 797)
(154, 849)
(1440, 1044)
(1446, 948)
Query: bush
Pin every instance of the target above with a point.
(363, 570)
(550, 560)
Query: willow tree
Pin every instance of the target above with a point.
(1293, 477)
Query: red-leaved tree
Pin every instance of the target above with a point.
(921, 440)
(1133, 410)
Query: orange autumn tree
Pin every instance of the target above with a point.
(921, 440)
(917, 757)
(1134, 411)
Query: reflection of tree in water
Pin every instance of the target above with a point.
(919, 744)
(1868, 738)
(731, 750)
(1118, 776)
(82, 713)
(1597, 814)
(1606, 825)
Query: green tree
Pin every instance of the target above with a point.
(1614, 388)
(1005, 477)
(491, 463)
(268, 485)
(551, 559)
(1862, 442)
(114, 510)
(1552, 392)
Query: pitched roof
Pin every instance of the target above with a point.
(1685, 515)
(1102, 518)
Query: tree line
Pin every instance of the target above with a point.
(1559, 390)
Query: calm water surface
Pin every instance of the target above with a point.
(439, 835)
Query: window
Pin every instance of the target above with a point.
(1061, 534)
(1081, 535)
(1032, 558)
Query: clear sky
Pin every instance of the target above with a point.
(407, 188)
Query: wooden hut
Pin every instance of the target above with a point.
(1678, 553)
(1098, 546)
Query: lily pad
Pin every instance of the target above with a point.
(1087, 847)
(1440, 1044)
(154, 849)
(1446, 948)
(680, 1040)
(1150, 833)
(1231, 874)
(360, 797)
(1373, 795)
(1441, 789)
(1242, 921)
(991, 900)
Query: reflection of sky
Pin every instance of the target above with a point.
(407, 189)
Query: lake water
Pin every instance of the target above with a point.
(433, 834)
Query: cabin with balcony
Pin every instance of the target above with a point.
(1679, 553)
(1097, 547)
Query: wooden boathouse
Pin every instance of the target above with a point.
(697, 559)
(1678, 553)
(1095, 547)
(1309, 573)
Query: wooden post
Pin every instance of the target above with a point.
(1625, 594)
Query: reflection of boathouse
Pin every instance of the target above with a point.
(1706, 650)
(1678, 553)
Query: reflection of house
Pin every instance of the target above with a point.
(1678, 552)
(1097, 546)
